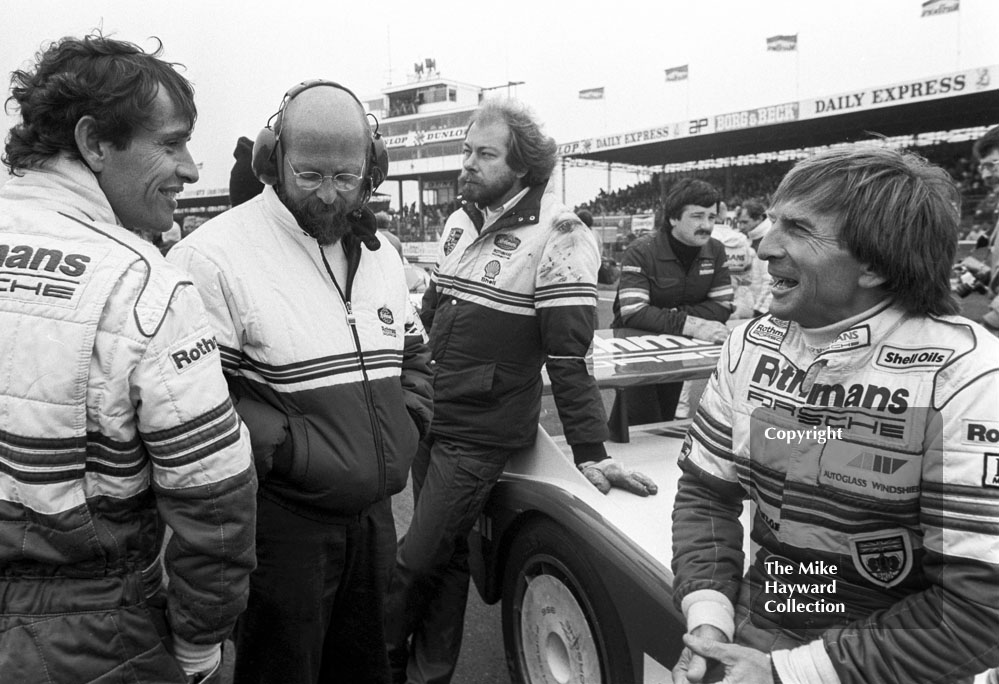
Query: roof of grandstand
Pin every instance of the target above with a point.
(956, 100)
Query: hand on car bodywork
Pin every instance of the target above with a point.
(703, 329)
(609, 473)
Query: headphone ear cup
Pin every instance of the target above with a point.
(263, 161)
(379, 163)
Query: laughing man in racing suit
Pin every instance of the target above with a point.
(115, 420)
(860, 420)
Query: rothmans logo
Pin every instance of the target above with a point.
(185, 358)
(41, 259)
(768, 331)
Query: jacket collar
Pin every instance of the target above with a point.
(853, 341)
(526, 212)
(709, 250)
(285, 222)
(64, 185)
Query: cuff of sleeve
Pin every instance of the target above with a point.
(709, 607)
(805, 665)
(588, 453)
(193, 658)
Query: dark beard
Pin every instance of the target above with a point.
(486, 195)
(327, 223)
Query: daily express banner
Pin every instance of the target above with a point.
(949, 85)
(673, 131)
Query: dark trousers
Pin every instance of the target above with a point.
(100, 630)
(316, 599)
(426, 604)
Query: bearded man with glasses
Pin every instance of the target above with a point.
(327, 363)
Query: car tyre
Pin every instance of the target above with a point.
(559, 624)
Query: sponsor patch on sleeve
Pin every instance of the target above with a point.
(990, 477)
(978, 431)
(187, 355)
(631, 269)
(452, 240)
(884, 558)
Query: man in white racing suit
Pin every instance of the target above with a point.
(115, 419)
(859, 419)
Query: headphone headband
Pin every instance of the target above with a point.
(267, 160)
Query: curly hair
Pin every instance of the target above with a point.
(896, 212)
(529, 149)
(111, 80)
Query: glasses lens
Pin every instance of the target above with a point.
(308, 180)
(346, 181)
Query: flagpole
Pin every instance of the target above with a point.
(797, 69)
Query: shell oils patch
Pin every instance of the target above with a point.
(452, 240)
(883, 558)
(491, 270)
(904, 358)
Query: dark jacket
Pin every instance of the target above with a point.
(503, 302)
(656, 293)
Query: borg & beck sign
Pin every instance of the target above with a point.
(750, 118)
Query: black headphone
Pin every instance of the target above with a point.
(268, 157)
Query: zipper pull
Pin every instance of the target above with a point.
(350, 314)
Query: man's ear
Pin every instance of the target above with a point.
(869, 278)
(93, 150)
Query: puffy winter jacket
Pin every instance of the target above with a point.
(331, 377)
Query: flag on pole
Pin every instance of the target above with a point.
(782, 43)
(934, 7)
(591, 94)
(678, 73)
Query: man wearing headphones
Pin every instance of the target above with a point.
(327, 362)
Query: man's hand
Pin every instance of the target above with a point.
(692, 667)
(703, 329)
(742, 664)
(608, 473)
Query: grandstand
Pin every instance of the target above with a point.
(746, 153)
